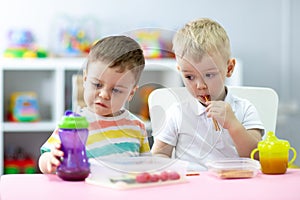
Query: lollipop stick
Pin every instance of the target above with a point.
(217, 128)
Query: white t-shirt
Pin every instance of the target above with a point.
(192, 133)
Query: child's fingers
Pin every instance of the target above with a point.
(56, 131)
(207, 103)
(51, 167)
(54, 161)
(57, 153)
(57, 145)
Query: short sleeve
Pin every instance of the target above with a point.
(53, 139)
(169, 131)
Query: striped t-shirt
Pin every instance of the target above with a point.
(123, 135)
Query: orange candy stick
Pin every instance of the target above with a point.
(217, 128)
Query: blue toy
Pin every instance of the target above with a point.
(24, 107)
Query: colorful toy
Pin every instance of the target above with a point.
(24, 107)
(19, 163)
(72, 36)
(74, 41)
(26, 166)
(21, 45)
(155, 43)
(150, 43)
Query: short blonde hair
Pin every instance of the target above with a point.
(201, 37)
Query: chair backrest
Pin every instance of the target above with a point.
(264, 99)
(77, 92)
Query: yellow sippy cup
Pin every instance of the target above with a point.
(274, 154)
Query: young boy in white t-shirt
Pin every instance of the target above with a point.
(202, 50)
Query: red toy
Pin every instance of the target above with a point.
(19, 163)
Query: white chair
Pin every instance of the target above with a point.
(264, 99)
(77, 92)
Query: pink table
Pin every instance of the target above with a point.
(205, 186)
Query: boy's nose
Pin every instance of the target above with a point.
(104, 94)
(201, 85)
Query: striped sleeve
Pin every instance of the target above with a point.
(53, 139)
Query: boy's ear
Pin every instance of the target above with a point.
(230, 67)
(132, 93)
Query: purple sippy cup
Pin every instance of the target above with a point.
(73, 134)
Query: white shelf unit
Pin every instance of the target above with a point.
(51, 79)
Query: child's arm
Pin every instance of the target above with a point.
(245, 140)
(162, 149)
(49, 161)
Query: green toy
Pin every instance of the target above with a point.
(21, 45)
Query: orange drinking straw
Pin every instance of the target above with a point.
(217, 128)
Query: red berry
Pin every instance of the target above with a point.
(143, 177)
(174, 175)
(154, 178)
(164, 176)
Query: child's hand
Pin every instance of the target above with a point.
(222, 112)
(54, 158)
(49, 161)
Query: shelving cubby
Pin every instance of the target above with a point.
(51, 80)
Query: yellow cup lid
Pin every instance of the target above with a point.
(272, 143)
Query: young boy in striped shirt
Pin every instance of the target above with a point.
(111, 75)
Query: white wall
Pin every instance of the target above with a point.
(264, 34)
(254, 26)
